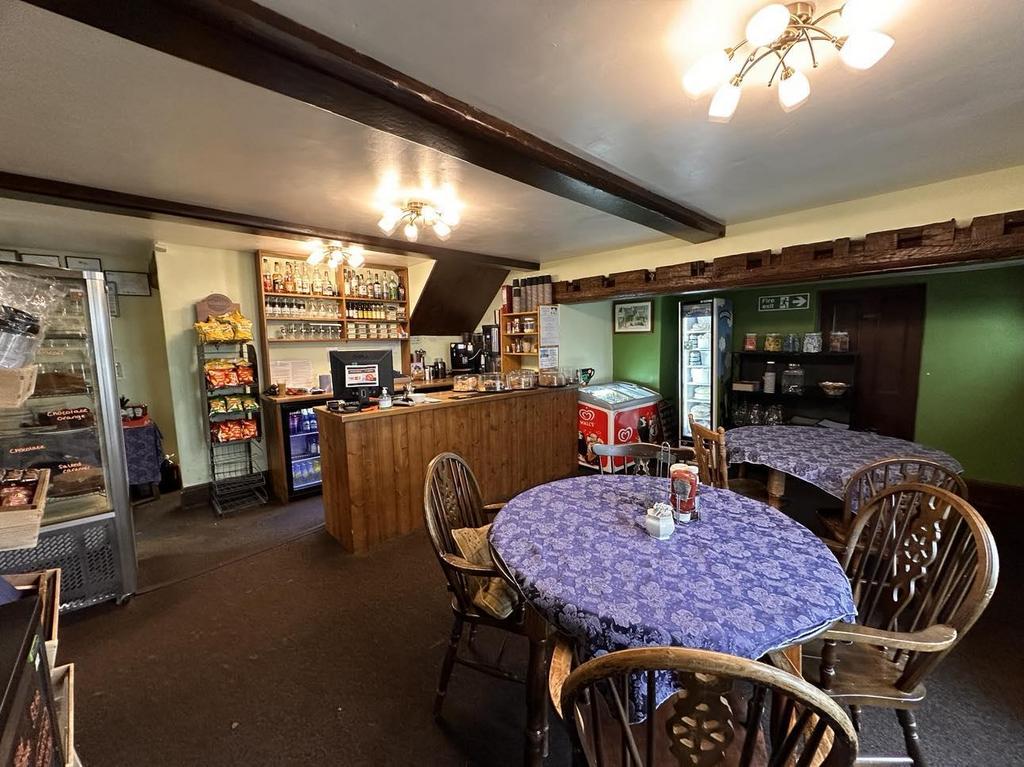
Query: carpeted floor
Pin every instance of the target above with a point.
(304, 655)
(174, 543)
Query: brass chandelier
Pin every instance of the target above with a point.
(773, 33)
(417, 214)
(336, 254)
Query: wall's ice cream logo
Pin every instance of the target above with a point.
(588, 415)
(626, 434)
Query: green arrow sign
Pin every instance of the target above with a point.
(784, 303)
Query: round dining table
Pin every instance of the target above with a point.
(744, 579)
(825, 458)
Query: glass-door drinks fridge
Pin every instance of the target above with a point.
(705, 362)
(71, 425)
(302, 449)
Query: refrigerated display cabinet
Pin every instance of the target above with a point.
(705, 362)
(72, 426)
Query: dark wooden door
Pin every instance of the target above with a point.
(886, 326)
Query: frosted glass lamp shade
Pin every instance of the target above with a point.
(706, 74)
(862, 50)
(767, 24)
(723, 105)
(794, 89)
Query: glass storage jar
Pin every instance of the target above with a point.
(466, 382)
(812, 343)
(773, 342)
(839, 341)
(791, 343)
(793, 379)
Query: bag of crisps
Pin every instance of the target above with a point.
(217, 406)
(244, 372)
(241, 327)
(248, 429)
(233, 404)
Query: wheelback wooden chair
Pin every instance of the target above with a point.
(709, 450)
(870, 480)
(644, 458)
(923, 566)
(452, 500)
(715, 717)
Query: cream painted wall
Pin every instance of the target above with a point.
(960, 198)
(188, 274)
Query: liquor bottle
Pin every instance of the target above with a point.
(363, 292)
(401, 291)
(306, 282)
(289, 279)
(268, 279)
(278, 279)
(317, 287)
(298, 279)
(375, 286)
(348, 282)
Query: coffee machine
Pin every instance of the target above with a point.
(467, 354)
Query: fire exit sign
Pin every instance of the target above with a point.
(784, 303)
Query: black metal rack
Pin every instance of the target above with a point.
(813, 403)
(236, 482)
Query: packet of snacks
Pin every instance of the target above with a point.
(244, 372)
(240, 326)
(248, 429)
(214, 332)
(220, 373)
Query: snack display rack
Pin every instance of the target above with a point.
(236, 482)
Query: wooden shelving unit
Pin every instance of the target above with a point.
(362, 329)
(522, 339)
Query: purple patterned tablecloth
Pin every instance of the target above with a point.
(143, 447)
(744, 580)
(826, 458)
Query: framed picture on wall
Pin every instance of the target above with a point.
(40, 259)
(130, 283)
(113, 304)
(84, 263)
(634, 317)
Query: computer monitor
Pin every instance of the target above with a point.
(359, 375)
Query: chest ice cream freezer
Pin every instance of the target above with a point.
(615, 413)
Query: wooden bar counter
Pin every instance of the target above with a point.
(373, 464)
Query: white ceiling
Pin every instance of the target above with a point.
(601, 78)
(598, 77)
(113, 114)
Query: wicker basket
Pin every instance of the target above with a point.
(17, 385)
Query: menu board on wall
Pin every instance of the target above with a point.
(548, 357)
(549, 326)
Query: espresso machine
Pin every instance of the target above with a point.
(467, 354)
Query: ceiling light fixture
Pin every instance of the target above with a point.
(417, 214)
(336, 254)
(772, 33)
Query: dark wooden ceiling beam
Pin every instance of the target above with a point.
(994, 238)
(245, 40)
(32, 189)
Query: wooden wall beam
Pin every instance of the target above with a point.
(48, 191)
(252, 43)
(998, 237)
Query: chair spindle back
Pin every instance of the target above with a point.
(917, 556)
(715, 717)
(709, 449)
(870, 480)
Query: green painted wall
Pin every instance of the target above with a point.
(636, 357)
(971, 394)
